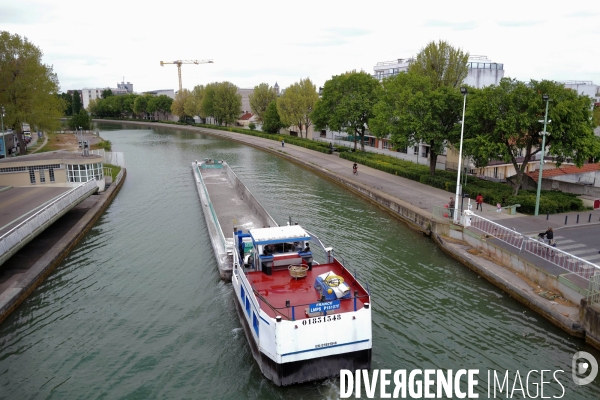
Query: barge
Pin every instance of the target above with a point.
(304, 320)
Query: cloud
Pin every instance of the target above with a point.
(583, 14)
(457, 26)
(519, 24)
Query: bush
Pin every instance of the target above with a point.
(252, 126)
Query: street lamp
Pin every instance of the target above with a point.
(3, 140)
(546, 98)
(463, 91)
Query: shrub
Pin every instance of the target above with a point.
(252, 126)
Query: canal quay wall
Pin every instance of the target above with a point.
(517, 277)
(49, 253)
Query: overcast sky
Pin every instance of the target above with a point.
(97, 44)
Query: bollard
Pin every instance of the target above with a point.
(566, 216)
(590, 218)
(547, 215)
(577, 218)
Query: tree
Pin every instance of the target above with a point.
(28, 88)
(297, 103)
(193, 104)
(442, 63)
(161, 105)
(81, 120)
(413, 111)
(346, 104)
(260, 99)
(68, 100)
(140, 105)
(596, 116)
(221, 101)
(504, 122)
(177, 108)
(272, 122)
(106, 93)
(76, 102)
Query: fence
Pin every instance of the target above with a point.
(534, 246)
(114, 158)
(12, 239)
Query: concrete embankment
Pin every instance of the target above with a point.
(28, 268)
(413, 203)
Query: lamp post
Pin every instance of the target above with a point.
(3, 140)
(463, 91)
(539, 188)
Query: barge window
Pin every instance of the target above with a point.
(243, 294)
(255, 323)
(248, 306)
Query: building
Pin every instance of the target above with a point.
(88, 95)
(245, 93)
(482, 71)
(160, 92)
(586, 88)
(56, 168)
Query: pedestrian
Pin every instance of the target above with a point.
(282, 142)
(549, 236)
(451, 207)
(479, 201)
(355, 169)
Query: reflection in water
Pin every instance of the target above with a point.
(137, 309)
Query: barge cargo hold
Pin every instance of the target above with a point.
(304, 320)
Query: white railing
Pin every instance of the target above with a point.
(533, 245)
(119, 176)
(115, 158)
(20, 232)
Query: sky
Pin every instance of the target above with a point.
(97, 44)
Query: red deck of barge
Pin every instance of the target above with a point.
(273, 291)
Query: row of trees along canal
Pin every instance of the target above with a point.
(423, 105)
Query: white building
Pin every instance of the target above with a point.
(160, 92)
(96, 93)
(586, 88)
(481, 71)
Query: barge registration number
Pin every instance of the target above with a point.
(318, 320)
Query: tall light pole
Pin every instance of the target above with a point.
(3, 140)
(463, 90)
(546, 98)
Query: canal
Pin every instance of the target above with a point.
(137, 309)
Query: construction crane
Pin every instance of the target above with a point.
(179, 62)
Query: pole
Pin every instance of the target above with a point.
(462, 129)
(3, 140)
(539, 188)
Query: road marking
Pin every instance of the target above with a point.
(573, 246)
(590, 258)
(587, 250)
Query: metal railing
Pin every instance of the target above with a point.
(534, 246)
(20, 232)
(114, 158)
(119, 176)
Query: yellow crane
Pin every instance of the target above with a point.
(179, 62)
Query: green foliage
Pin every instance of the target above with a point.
(81, 120)
(346, 104)
(443, 64)
(414, 111)
(178, 105)
(502, 121)
(296, 104)
(68, 102)
(493, 192)
(115, 169)
(193, 104)
(76, 102)
(252, 126)
(107, 93)
(28, 88)
(221, 101)
(596, 116)
(261, 98)
(103, 144)
(272, 123)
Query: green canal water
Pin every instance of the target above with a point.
(137, 309)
